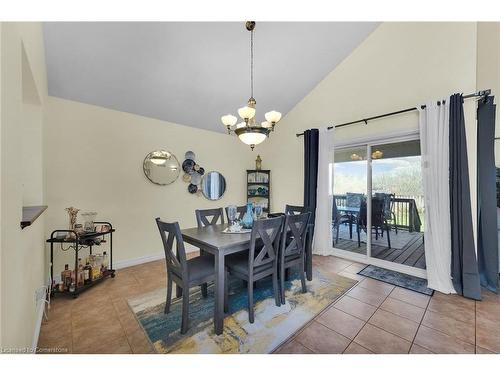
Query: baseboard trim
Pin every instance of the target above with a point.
(40, 300)
(144, 259)
(136, 261)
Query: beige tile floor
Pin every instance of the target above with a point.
(373, 317)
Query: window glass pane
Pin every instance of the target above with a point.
(397, 204)
(349, 189)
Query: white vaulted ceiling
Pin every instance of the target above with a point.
(191, 73)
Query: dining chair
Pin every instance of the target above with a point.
(185, 273)
(240, 210)
(209, 217)
(296, 210)
(261, 260)
(293, 253)
(206, 217)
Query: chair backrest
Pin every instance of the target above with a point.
(170, 233)
(378, 204)
(240, 212)
(209, 217)
(295, 226)
(354, 199)
(377, 212)
(388, 202)
(335, 211)
(295, 210)
(265, 251)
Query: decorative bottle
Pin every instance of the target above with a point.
(80, 273)
(247, 220)
(105, 262)
(86, 273)
(66, 277)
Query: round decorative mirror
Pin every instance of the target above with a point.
(213, 185)
(161, 167)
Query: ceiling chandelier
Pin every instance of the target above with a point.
(248, 131)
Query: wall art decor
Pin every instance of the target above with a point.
(161, 167)
(193, 173)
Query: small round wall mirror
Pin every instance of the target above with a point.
(213, 185)
(161, 167)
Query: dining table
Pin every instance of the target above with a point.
(212, 240)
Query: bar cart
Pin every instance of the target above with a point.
(79, 242)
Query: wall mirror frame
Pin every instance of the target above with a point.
(161, 167)
(213, 185)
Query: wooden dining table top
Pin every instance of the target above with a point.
(213, 237)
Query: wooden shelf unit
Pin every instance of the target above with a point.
(259, 179)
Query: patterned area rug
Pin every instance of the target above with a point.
(402, 280)
(273, 325)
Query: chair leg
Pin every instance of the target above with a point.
(185, 311)
(276, 289)
(168, 302)
(250, 302)
(287, 274)
(303, 279)
(359, 237)
(226, 291)
(388, 236)
(282, 282)
(204, 290)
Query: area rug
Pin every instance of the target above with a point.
(273, 325)
(402, 280)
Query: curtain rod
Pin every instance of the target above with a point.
(482, 93)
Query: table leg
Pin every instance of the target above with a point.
(309, 255)
(350, 229)
(219, 293)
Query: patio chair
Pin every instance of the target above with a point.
(390, 216)
(378, 220)
(337, 220)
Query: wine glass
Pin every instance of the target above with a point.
(231, 214)
(258, 211)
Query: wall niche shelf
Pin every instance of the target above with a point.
(30, 214)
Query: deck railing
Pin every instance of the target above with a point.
(405, 209)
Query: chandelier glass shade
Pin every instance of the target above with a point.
(249, 131)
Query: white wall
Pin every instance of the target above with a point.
(22, 258)
(399, 65)
(94, 162)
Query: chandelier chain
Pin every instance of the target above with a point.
(251, 63)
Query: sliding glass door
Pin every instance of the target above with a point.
(378, 204)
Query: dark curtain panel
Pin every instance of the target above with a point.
(487, 240)
(311, 148)
(311, 145)
(464, 271)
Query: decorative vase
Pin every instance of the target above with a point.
(72, 212)
(247, 220)
(258, 163)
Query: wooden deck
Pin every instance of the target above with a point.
(411, 254)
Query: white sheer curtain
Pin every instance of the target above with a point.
(434, 141)
(323, 226)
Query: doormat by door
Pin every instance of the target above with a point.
(402, 280)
